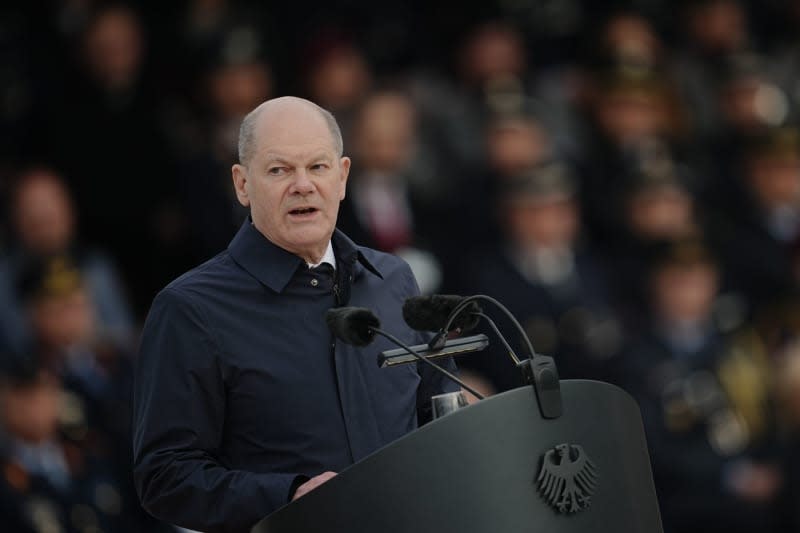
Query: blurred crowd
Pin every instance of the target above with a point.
(623, 176)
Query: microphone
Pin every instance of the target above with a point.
(353, 325)
(358, 326)
(430, 313)
(433, 313)
(538, 370)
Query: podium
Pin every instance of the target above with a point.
(497, 466)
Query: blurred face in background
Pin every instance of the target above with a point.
(29, 412)
(238, 88)
(718, 26)
(492, 52)
(515, 144)
(549, 221)
(631, 37)
(775, 180)
(663, 211)
(64, 320)
(234, 90)
(114, 48)
(43, 215)
(628, 115)
(684, 293)
(385, 134)
(751, 102)
(340, 78)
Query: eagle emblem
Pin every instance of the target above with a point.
(567, 479)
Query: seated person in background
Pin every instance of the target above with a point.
(657, 205)
(64, 328)
(50, 480)
(43, 223)
(395, 200)
(547, 279)
(96, 374)
(703, 383)
(765, 219)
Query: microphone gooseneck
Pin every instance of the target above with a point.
(538, 370)
(358, 326)
(436, 313)
(465, 303)
(494, 327)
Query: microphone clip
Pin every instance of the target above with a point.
(440, 339)
(541, 372)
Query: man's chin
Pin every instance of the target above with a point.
(309, 240)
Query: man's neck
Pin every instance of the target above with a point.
(326, 257)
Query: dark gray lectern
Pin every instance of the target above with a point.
(497, 466)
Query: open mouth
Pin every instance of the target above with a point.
(303, 211)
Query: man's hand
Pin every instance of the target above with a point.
(312, 484)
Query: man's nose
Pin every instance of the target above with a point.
(302, 184)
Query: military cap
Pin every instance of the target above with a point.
(544, 181)
(48, 277)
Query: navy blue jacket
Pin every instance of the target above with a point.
(241, 392)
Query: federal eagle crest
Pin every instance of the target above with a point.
(567, 479)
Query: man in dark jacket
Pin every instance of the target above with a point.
(703, 382)
(243, 399)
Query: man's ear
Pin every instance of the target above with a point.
(239, 174)
(345, 165)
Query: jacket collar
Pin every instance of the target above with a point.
(274, 267)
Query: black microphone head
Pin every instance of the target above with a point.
(430, 313)
(352, 325)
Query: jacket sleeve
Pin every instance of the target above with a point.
(179, 415)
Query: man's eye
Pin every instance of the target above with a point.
(276, 171)
(319, 166)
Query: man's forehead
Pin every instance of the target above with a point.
(310, 152)
(294, 125)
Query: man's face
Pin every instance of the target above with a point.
(63, 321)
(515, 145)
(628, 115)
(385, 134)
(294, 180)
(549, 222)
(660, 212)
(775, 180)
(43, 214)
(30, 412)
(685, 293)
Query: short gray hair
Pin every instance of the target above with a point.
(247, 132)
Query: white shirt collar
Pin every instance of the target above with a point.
(327, 258)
